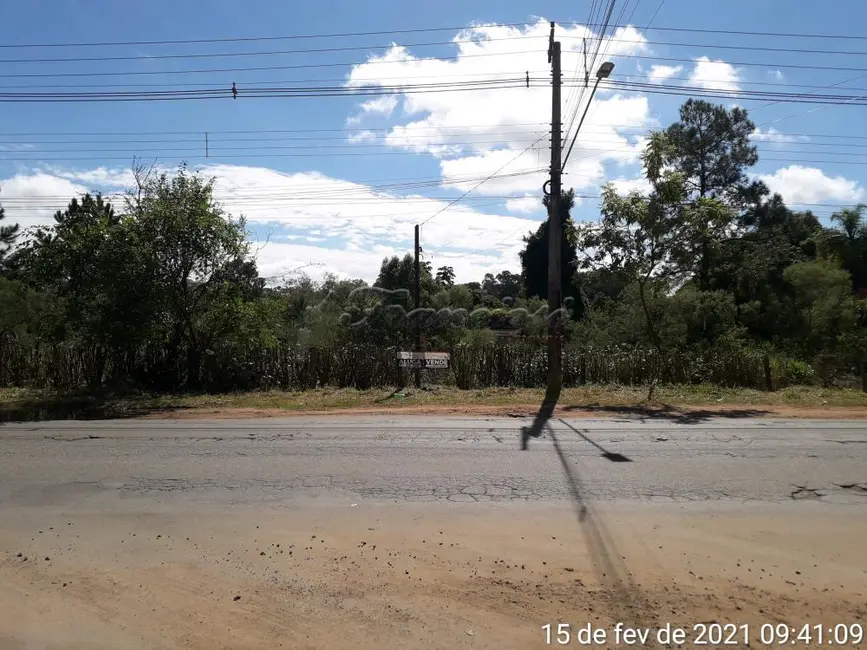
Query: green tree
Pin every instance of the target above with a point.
(750, 266)
(503, 285)
(191, 244)
(822, 296)
(8, 234)
(848, 242)
(648, 239)
(710, 147)
(445, 277)
(534, 257)
(91, 262)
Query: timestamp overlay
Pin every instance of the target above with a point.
(711, 634)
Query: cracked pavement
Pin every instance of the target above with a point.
(427, 459)
(360, 533)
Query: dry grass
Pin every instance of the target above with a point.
(26, 404)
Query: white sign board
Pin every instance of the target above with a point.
(423, 359)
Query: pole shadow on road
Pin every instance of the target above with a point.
(613, 456)
(627, 603)
(546, 411)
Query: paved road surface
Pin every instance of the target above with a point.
(434, 458)
(423, 532)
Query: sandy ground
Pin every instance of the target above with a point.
(530, 410)
(378, 575)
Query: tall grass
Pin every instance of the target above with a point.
(294, 367)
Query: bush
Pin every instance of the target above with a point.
(799, 373)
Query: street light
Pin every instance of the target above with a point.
(604, 70)
(602, 73)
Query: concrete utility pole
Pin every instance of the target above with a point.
(416, 291)
(555, 227)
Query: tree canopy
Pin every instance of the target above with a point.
(162, 292)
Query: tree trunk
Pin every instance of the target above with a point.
(654, 339)
(97, 369)
(769, 381)
(194, 363)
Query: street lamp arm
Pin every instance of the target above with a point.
(603, 72)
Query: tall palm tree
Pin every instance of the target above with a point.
(851, 221)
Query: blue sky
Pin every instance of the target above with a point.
(333, 184)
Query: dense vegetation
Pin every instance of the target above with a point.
(706, 277)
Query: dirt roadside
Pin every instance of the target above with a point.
(371, 576)
(530, 410)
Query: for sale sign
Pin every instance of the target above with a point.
(427, 360)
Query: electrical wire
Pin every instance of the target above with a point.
(484, 180)
(697, 91)
(746, 48)
(246, 39)
(341, 64)
(732, 32)
(259, 93)
(219, 55)
(272, 82)
(764, 64)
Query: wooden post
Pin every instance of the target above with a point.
(769, 382)
(862, 368)
(416, 291)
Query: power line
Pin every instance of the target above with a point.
(742, 82)
(259, 93)
(694, 91)
(258, 131)
(276, 200)
(245, 39)
(591, 23)
(751, 33)
(35, 154)
(750, 48)
(485, 180)
(768, 64)
(341, 64)
(433, 139)
(271, 82)
(218, 55)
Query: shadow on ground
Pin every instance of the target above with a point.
(666, 412)
(624, 598)
(546, 411)
(79, 407)
(613, 456)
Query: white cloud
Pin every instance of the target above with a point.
(476, 132)
(659, 73)
(772, 135)
(32, 199)
(384, 105)
(776, 75)
(524, 205)
(804, 185)
(362, 136)
(309, 217)
(100, 177)
(16, 146)
(715, 75)
(627, 185)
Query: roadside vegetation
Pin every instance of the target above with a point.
(674, 402)
(704, 284)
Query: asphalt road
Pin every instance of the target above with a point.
(433, 459)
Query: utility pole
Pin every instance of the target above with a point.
(555, 227)
(416, 290)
